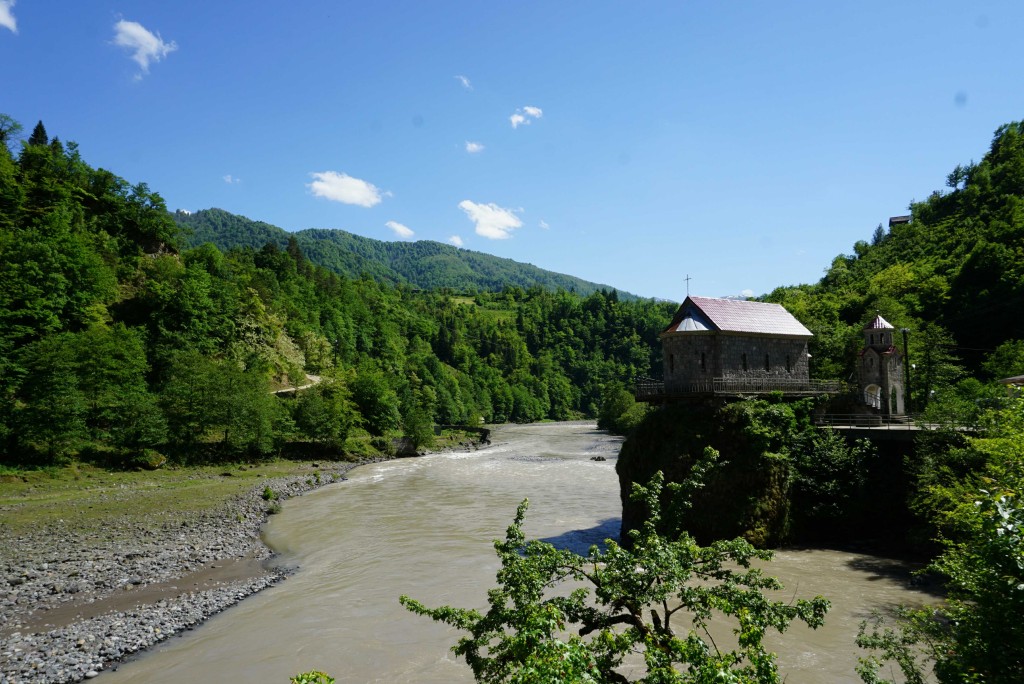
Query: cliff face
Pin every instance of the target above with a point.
(747, 494)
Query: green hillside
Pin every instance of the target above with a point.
(423, 264)
(953, 276)
(119, 345)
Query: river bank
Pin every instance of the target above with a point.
(82, 592)
(153, 581)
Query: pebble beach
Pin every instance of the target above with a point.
(73, 604)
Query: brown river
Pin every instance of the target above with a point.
(424, 527)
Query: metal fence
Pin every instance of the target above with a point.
(904, 422)
(654, 390)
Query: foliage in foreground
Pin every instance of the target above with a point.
(977, 635)
(656, 599)
(312, 677)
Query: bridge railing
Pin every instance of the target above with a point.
(654, 390)
(863, 420)
(880, 422)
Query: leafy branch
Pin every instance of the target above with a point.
(624, 621)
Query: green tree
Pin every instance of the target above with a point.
(245, 410)
(1006, 361)
(830, 476)
(536, 630)
(9, 131)
(189, 397)
(111, 367)
(976, 635)
(377, 401)
(38, 136)
(140, 424)
(326, 412)
(51, 413)
(620, 412)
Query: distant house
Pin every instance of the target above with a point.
(729, 346)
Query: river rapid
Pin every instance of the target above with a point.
(424, 527)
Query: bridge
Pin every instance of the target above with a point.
(879, 427)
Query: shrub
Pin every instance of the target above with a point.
(147, 459)
(312, 677)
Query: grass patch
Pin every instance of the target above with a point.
(87, 496)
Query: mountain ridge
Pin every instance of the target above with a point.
(423, 264)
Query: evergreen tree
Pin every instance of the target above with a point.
(38, 136)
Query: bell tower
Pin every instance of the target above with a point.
(880, 372)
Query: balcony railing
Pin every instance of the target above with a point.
(654, 390)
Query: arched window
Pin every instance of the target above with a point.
(671, 363)
(767, 363)
(789, 368)
(703, 362)
(744, 362)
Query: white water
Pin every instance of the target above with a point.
(424, 527)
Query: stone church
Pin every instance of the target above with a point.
(732, 347)
(730, 344)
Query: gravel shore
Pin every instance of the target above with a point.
(54, 582)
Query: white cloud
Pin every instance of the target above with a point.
(464, 81)
(144, 45)
(455, 240)
(341, 187)
(543, 224)
(524, 116)
(232, 180)
(474, 147)
(747, 293)
(7, 19)
(491, 221)
(401, 231)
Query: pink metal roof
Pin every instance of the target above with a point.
(734, 315)
(878, 324)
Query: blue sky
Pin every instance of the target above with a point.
(744, 144)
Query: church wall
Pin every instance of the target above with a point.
(723, 356)
(756, 348)
(689, 359)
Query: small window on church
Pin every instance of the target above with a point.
(703, 362)
(872, 340)
(671, 363)
(767, 363)
(744, 362)
(789, 368)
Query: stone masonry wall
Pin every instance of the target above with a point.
(723, 356)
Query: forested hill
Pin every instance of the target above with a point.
(953, 276)
(119, 345)
(423, 264)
